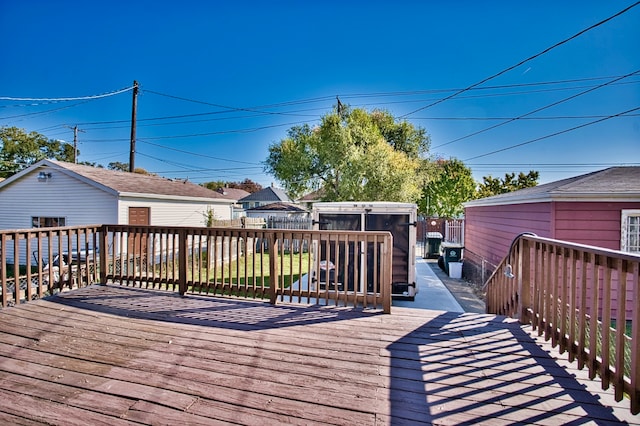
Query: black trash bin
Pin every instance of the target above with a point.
(451, 254)
(432, 246)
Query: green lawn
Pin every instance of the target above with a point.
(258, 270)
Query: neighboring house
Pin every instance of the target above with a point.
(313, 197)
(235, 194)
(279, 210)
(55, 193)
(599, 209)
(265, 196)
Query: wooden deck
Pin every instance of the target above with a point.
(111, 355)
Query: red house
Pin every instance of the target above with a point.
(599, 209)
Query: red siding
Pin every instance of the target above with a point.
(490, 230)
(593, 223)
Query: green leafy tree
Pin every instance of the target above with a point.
(20, 149)
(124, 167)
(452, 185)
(246, 185)
(352, 155)
(494, 186)
(214, 185)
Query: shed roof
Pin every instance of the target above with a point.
(612, 184)
(125, 183)
(268, 194)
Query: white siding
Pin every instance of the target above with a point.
(83, 204)
(60, 196)
(175, 212)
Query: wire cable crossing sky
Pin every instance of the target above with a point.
(220, 83)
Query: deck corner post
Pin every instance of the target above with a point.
(524, 281)
(182, 261)
(104, 253)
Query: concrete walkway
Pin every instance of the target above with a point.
(432, 293)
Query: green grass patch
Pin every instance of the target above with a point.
(291, 267)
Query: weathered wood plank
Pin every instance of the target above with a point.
(148, 357)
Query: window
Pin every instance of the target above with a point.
(630, 238)
(47, 222)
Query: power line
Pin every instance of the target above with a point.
(539, 109)
(548, 49)
(79, 98)
(224, 132)
(548, 117)
(44, 112)
(553, 134)
(193, 153)
(126, 122)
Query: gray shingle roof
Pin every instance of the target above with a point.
(233, 193)
(608, 184)
(125, 182)
(268, 194)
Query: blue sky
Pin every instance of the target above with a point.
(221, 81)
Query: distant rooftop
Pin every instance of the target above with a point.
(614, 183)
(270, 193)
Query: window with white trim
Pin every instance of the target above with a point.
(47, 222)
(630, 237)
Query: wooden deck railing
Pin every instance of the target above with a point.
(298, 266)
(45, 260)
(584, 299)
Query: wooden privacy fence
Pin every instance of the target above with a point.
(586, 300)
(40, 261)
(297, 266)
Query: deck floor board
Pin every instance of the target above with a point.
(119, 355)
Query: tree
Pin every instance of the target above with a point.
(246, 185)
(20, 149)
(494, 186)
(124, 167)
(452, 185)
(352, 155)
(214, 185)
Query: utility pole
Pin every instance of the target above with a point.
(134, 108)
(75, 142)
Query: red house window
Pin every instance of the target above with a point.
(630, 237)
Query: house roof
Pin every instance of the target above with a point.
(125, 183)
(233, 193)
(612, 184)
(280, 207)
(268, 194)
(313, 196)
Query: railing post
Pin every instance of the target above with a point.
(524, 281)
(387, 259)
(182, 261)
(273, 268)
(104, 253)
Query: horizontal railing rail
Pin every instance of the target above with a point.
(582, 298)
(40, 261)
(298, 266)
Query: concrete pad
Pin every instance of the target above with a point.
(432, 293)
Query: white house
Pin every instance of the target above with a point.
(56, 193)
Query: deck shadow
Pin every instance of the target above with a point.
(473, 368)
(210, 311)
